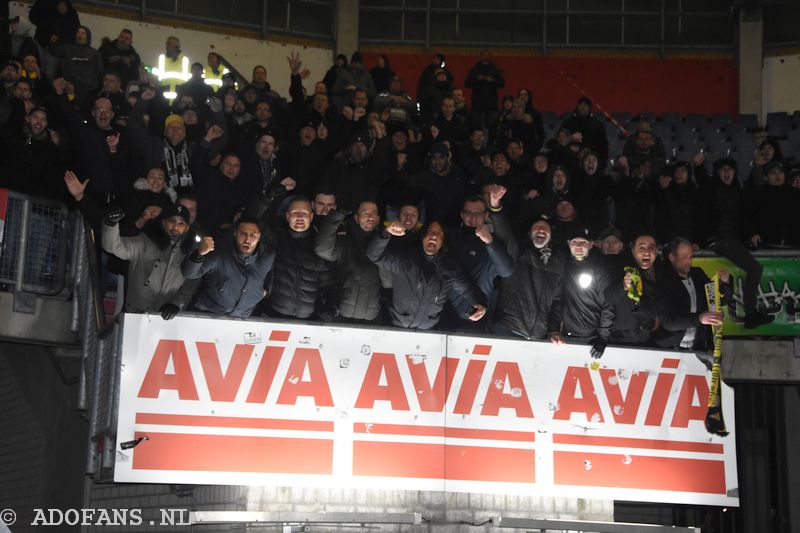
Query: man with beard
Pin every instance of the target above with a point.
(526, 298)
(482, 256)
(174, 151)
(584, 315)
(355, 175)
(233, 275)
(119, 55)
(439, 188)
(154, 280)
(632, 294)
(32, 159)
(424, 278)
(343, 241)
(300, 276)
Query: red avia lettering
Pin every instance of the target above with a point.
(579, 395)
(383, 382)
(224, 384)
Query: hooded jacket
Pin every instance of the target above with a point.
(154, 275)
(720, 210)
(81, 64)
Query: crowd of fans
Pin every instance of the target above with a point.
(357, 204)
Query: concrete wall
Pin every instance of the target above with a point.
(446, 513)
(43, 437)
(781, 84)
(244, 54)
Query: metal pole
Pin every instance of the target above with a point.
(142, 10)
(663, 28)
(23, 244)
(428, 25)
(263, 19)
(544, 26)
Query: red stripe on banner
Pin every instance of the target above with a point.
(652, 444)
(279, 336)
(227, 453)
(436, 461)
(438, 431)
(3, 203)
(232, 422)
(640, 472)
(670, 363)
(482, 349)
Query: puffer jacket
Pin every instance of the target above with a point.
(357, 277)
(154, 276)
(300, 277)
(422, 284)
(583, 312)
(525, 299)
(232, 284)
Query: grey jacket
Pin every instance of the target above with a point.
(154, 275)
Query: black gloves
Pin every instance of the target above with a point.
(598, 347)
(113, 215)
(169, 311)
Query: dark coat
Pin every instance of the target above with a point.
(357, 278)
(633, 321)
(585, 313)
(232, 284)
(422, 284)
(673, 304)
(484, 92)
(115, 59)
(300, 275)
(594, 134)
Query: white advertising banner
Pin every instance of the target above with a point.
(260, 403)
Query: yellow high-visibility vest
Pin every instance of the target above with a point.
(171, 73)
(214, 80)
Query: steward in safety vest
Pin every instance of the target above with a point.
(173, 68)
(213, 71)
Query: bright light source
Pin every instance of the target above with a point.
(584, 280)
(197, 238)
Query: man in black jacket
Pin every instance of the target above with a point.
(634, 300)
(484, 79)
(681, 300)
(526, 298)
(301, 279)
(482, 255)
(720, 220)
(343, 241)
(424, 278)
(233, 275)
(592, 132)
(584, 315)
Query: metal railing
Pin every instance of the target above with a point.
(33, 253)
(297, 18)
(547, 24)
